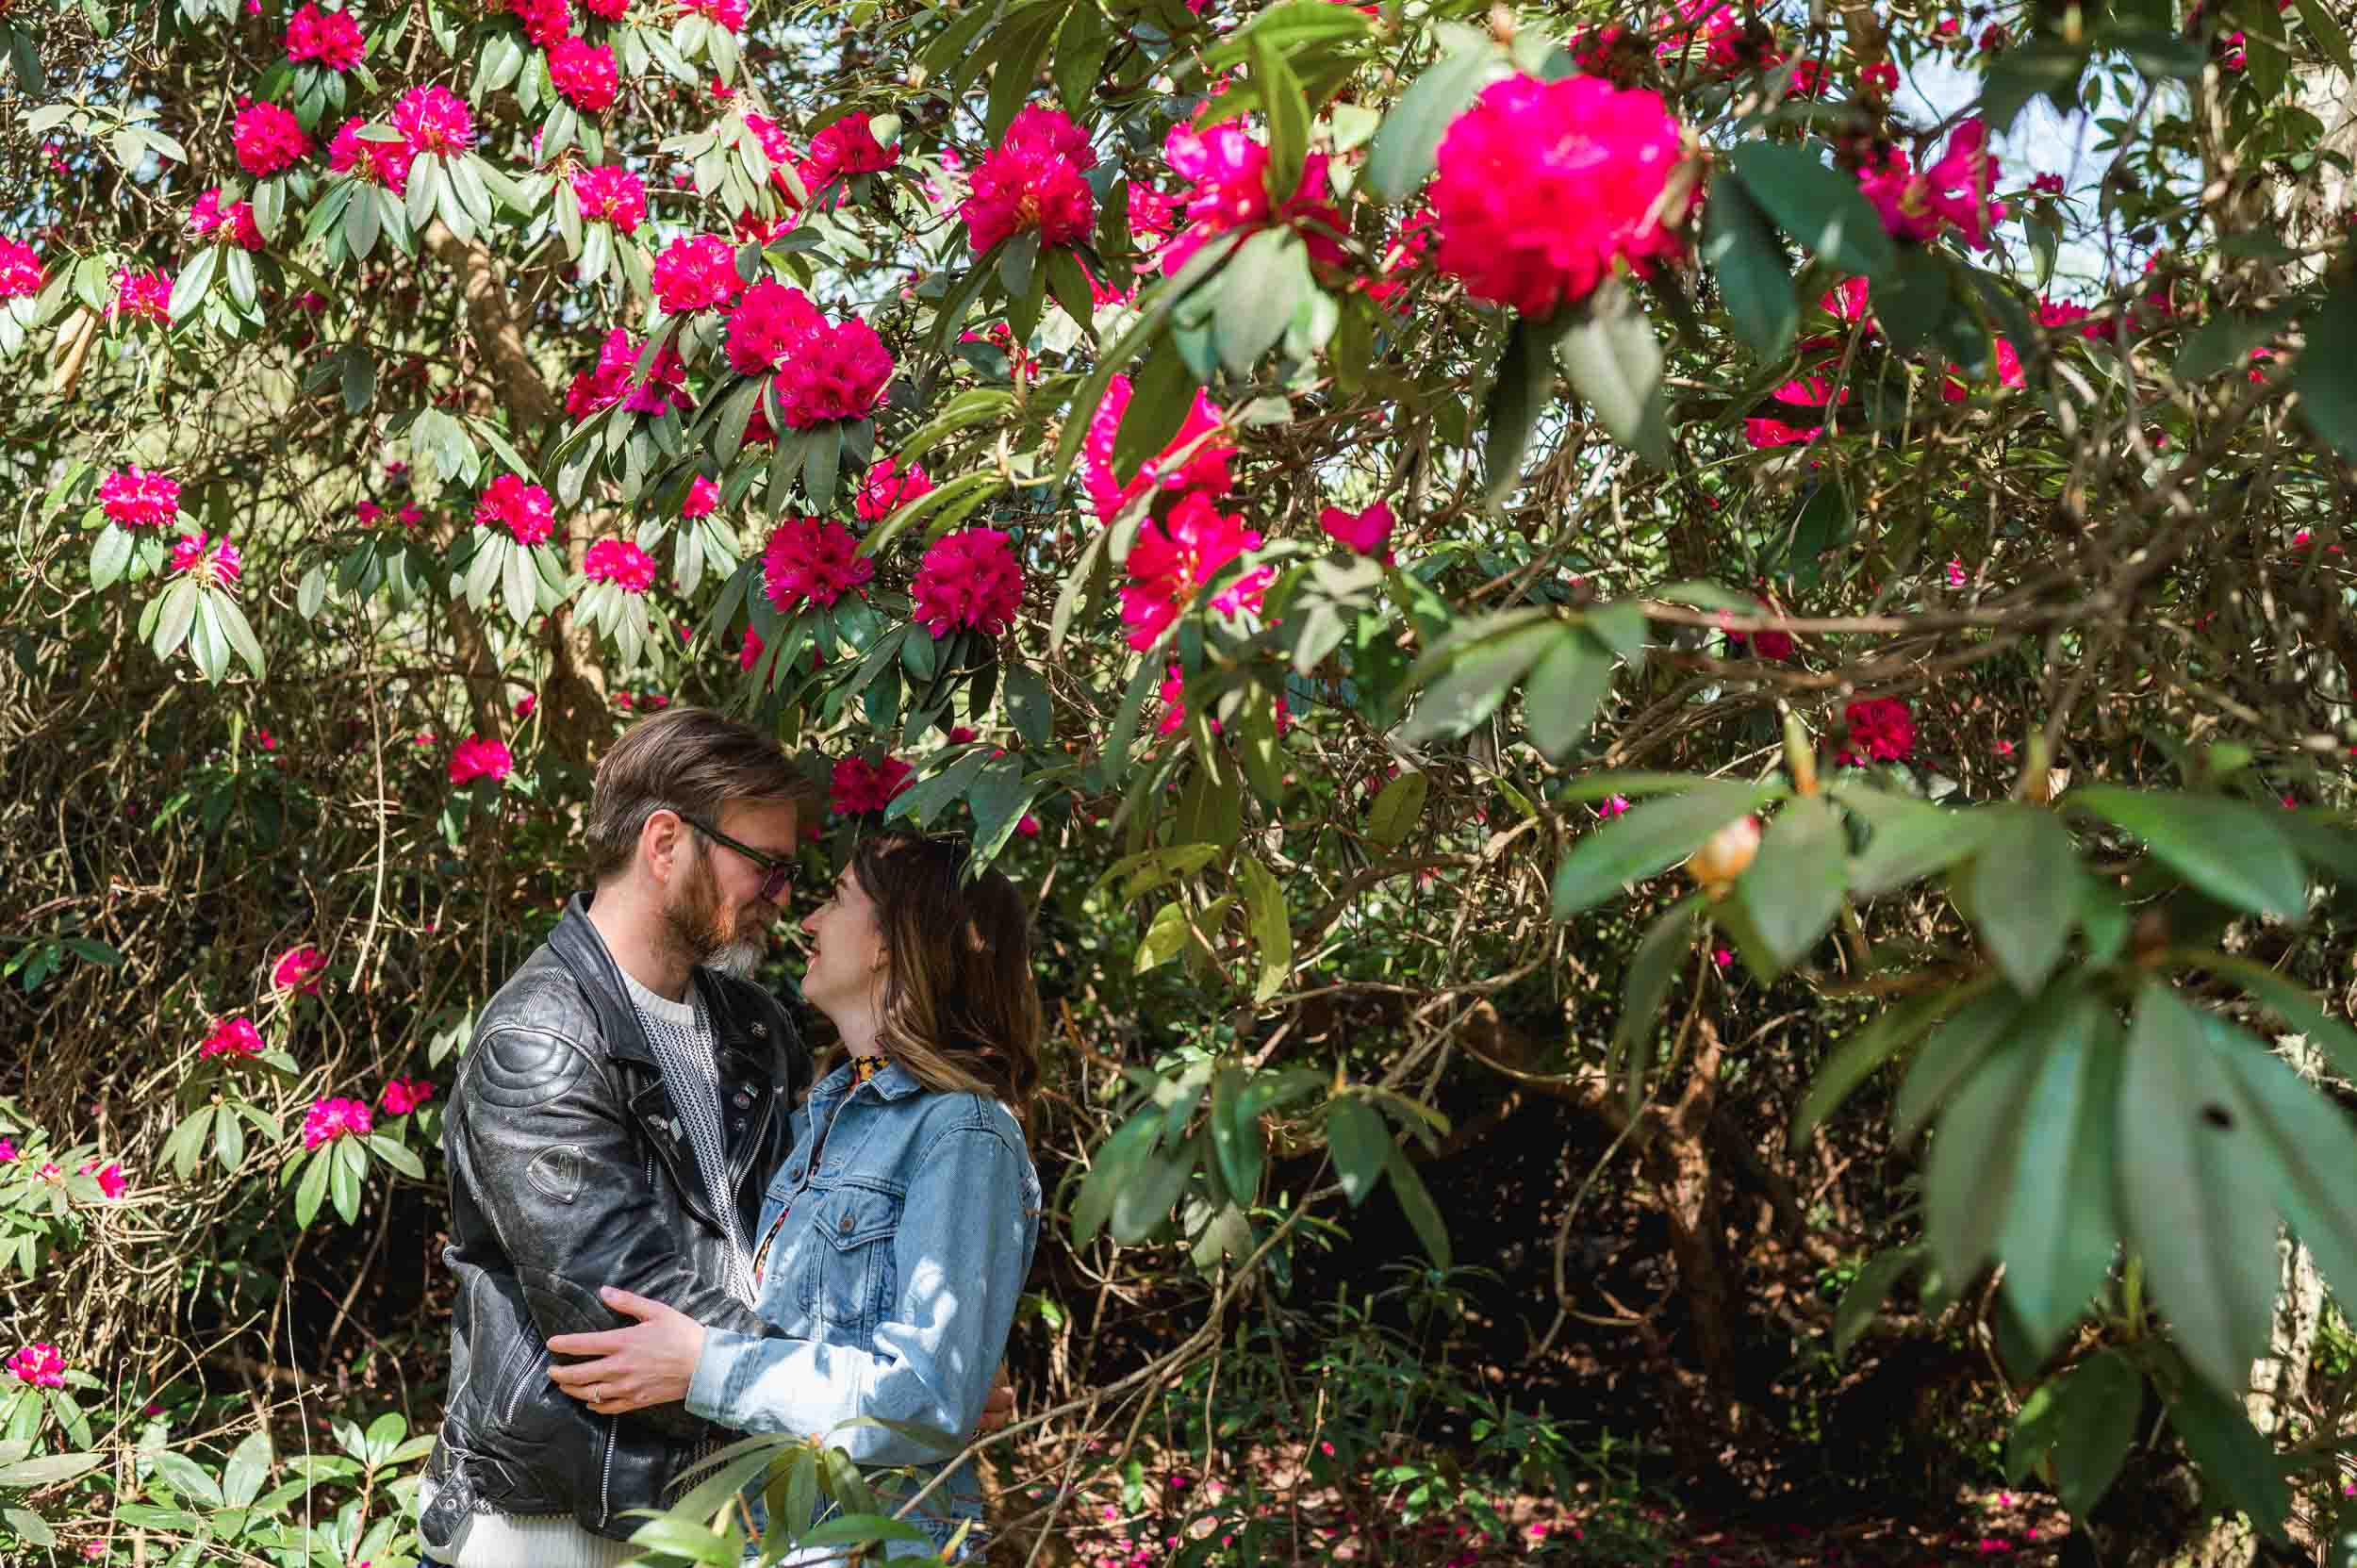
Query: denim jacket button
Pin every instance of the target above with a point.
(847, 1224)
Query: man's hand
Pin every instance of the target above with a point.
(997, 1406)
(649, 1364)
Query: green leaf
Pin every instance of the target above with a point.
(1913, 302)
(845, 1529)
(1272, 930)
(2024, 886)
(1164, 939)
(1793, 889)
(2231, 850)
(1258, 290)
(1159, 400)
(48, 1469)
(1406, 146)
(313, 1186)
(1479, 676)
(1651, 971)
(2193, 1190)
(1235, 1135)
(111, 550)
(175, 614)
(1867, 1291)
(1864, 1050)
(1415, 1202)
(1145, 1199)
(248, 1465)
(1396, 808)
(397, 1155)
(1566, 685)
(2230, 1452)
(1648, 839)
(2331, 36)
(194, 282)
(2307, 1154)
(1952, 1053)
(1287, 113)
(345, 1164)
(2021, 72)
(1906, 839)
(1749, 265)
(1360, 1143)
(2057, 1242)
(1818, 206)
(2289, 1001)
(2087, 1419)
(1110, 1172)
(1610, 356)
(29, 1526)
(230, 617)
(1520, 392)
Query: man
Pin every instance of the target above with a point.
(620, 1110)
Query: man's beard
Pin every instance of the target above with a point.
(699, 928)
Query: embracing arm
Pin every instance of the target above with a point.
(962, 1250)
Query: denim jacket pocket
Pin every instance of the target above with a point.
(850, 1283)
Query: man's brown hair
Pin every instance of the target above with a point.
(961, 1011)
(691, 761)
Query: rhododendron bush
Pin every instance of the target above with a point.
(1762, 588)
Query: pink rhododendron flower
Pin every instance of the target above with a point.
(1406, 256)
(584, 74)
(846, 148)
(1545, 189)
(969, 578)
(1882, 76)
(1955, 573)
(665, 385)
(728, 13)
(1954, 192)
(1613, 806)
(889, 487)
(1170, 693)
(143, 296)
(384, 163)
(232, 1037)
(525, 510)
(811, 560)
(109, 1177)
(435, 120)
(621, 563)
(298, 969)
(546, 23)
(39, 1364)
(700, 271)
(369, 512)
(749, 653)
(834, 372)
(1033, 180)
(769, 324)
(1771, 645)
(2046, 185)
(234, 223)
(1174, 559)
(1992, 37)
(268, 139)
(610, 193)
(478, 757)
(1771, 430)
(139, 498)
(332, 1118)
(1229, 172)
(859, 786)
(8, 1150)
(525, 705)
(20, 270)
(783, 154)
(331, 38)
(703, 499)
(1204, 468)
(1364, 533)
(402, 1096)
(1153, 217)
(612, 10)
(1027, 825)
(1882, 728)
(2009, 374)
(215, 565)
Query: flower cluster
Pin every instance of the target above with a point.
(1771, 430)
(1204, 467)
(1033, 180)
(1363, 533)
(768, 324)
(1545, 189)
(546, 23)
(696, 272)
(1174, 559)
(859, 787)
(298, 969)
(1953, 193)
(268, 140)
(331, 38)
(969, 578)
(728, 13)
(384, 163)
(233, 222)
(232, 1037)
(811, 560)
(435, 118)
(584, 74)
(39, 1364)
(888, 487)
(216, 565)
(824, 371)
(332, 1118)
(402, 1096)
(703, 499)
(612, 10)
(20, 270)
(665, 386)
(478, 758)
(525, 510)
(1228, 170)
(846, 148)
(139, 498)
(610, 193)
(142, 296)
(1882, 729)
(621, 563)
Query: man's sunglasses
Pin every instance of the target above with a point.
(778, 874)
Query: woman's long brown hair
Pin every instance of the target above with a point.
(961, 1011)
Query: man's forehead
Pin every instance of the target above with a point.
(771, 826)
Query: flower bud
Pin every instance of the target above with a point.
(1724, 854)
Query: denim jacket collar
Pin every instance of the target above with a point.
(894, 1083)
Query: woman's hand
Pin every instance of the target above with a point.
(649, 1364)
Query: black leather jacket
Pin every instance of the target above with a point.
(570, 1169)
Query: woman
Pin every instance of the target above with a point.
(896, 1238)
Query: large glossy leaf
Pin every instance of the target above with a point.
(1478, 681)
(2232, 1456)
(1952, 1052)
(2059, 1237)
(1520, 391)
(1866, 1048)
(2194, 1191)
(1404, 149)
(2307, 1151)
(2025, 891)
(2086, 1420)
(1750, 267)
(1793, 889)
(1906, 839)
(1361, 1146)
(1651, 971)
(2289, 1001)
(1609, 352)
(1817, 205)
(1565, 687)
(1649, 838)
(1866, 1293)
(2229, 849)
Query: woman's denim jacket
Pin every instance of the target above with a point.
(895, 1278)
